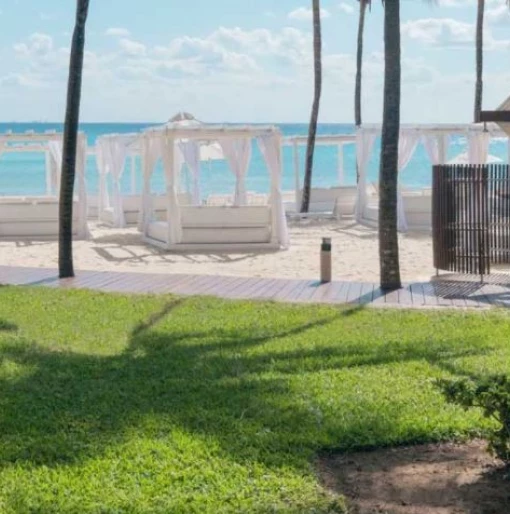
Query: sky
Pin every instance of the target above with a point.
(250, 61)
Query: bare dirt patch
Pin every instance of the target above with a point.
(426, 479)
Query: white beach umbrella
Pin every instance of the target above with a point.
(463, 158)
(183, 119)
(209, 151)
(182, 116)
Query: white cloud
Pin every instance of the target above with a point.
(455, 3)
(499, 15)
(117, 32)
(260, 75)
(132, 48)
(346, 8)
(38, 45)
(306, 14)
(447, 32)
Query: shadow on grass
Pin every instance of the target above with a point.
(72, 406)
(6, 326)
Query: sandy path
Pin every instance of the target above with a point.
(355, 254)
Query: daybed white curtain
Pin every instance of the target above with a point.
(406, 147)
(237, 152)
(174, 214)
(478, 147)
(114, 154)
(81, 164)
(55, 149)
(151, 152)
(435, 146)
(103, 170)
(270, 146)
(340, 170)
(364, 144)
(191, 153)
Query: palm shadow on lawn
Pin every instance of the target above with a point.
(74, 406)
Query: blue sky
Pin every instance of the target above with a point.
(243, 61)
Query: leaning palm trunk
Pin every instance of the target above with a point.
(312, 132)
(65, 261)
(388, 177)
(359, 62)
(479, 60)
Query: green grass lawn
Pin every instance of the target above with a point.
(125, 404)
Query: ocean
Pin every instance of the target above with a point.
(24, 173)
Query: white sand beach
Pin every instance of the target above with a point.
(355, 254)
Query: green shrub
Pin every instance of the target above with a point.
(492, 395)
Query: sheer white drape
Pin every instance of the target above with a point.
(406, 147)
(364, 144)
(81, 164)
(174, 212)
(237, 152)
(103, 170)
(191, 154)
(151, 152)
(270, 146)
(55, 149)
(435, 146)
(115, 152)
(478, 147)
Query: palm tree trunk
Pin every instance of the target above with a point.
(70, 143)
(312, 132)
(479, 59)
(388, 177)
(359, 62)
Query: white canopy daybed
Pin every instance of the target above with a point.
(112, 152)
(36, 217)
(196, 227)
(415, 207)
(336, 201)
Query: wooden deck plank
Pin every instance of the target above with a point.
(378, 297)
(212, 287)
(458, 293)
(342, 293)
(332, 292)
(259, 284)
(498, 296)
(272, 292)
(392, 297)
(366, 294)
(285, 292)
(242, 290)
(205, 282)
(418, 296)
(405, 297)
(320, 292)
(33, 276)
(354, 292)
(227, 284)
(186, 284)
(430, 297)
(305, 289)
(270, 289)
(133, 283)
(249, 290)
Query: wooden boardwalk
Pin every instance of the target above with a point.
(446, 291)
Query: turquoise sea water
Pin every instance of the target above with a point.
(24, 173)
